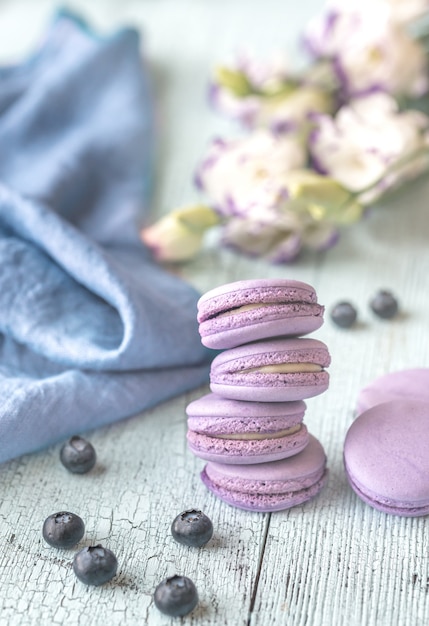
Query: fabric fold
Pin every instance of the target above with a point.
(91, 329)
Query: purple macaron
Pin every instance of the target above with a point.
(278, 370)
(272, 486)
(230, 431)
(386, 457)
(412, 384)
(248, 310)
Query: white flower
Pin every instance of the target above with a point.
(405, 11)
(278, 243)
(369, 143)
(369, 48)
(267, 96)
(248, 174)
(294, 110)
(269, 204)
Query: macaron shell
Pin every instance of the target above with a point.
(270, 486)
(235, 294)
(410, 383)
(264, 503)
(234, 373)
(288, 308)
(387, 506)
(215, 415)
(386, 457)
(219, 429)
(246, 452)
(234, 425)
(261, 323)
(289, 387)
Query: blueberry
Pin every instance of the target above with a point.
(192, 528)
(344, 314)
(384, 304)
(176, 596)
(95, 565)
(63, 530)
(78, 455)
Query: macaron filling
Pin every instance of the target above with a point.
(256, 378)
(277, 352)
(279, 309)
(276, 446)
(257, 292)
(282, 363)
(285, 368)
(259, 436)
(306, 316)
(246, 311)
(259, 425)
(242, 449)
(241, 309)
(269, 486)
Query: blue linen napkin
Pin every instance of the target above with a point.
(91, 330)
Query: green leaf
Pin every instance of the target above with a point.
(234, 81)
(197, 217)
(325, 198)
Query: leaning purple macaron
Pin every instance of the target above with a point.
(230, 431)
(277, 370)
(386, 457)
(411, 383)
(267, 487)
(248, 310)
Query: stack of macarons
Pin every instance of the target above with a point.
(250, 429)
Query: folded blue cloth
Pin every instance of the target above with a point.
(91, 329)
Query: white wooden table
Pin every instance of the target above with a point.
(333, 561)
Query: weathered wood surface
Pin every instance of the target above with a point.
(333, 561)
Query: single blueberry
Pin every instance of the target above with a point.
(176, 596)
(344, 314)
(63, 530)
(192, 528)
(384, 304)
(95, 565)
(78, 455)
